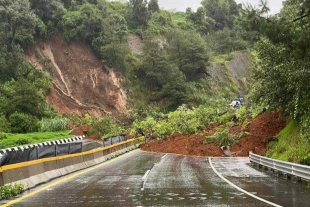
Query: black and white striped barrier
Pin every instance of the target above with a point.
(49, 143)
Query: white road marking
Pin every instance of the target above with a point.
(145, 175)
(164, 156)
(240, 189)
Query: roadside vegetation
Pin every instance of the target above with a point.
(18, 139)
(8, 191)
(169, 88)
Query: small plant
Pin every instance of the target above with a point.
(241, 113)
(220, 138)
(245, 124)
(8, 191)
(242, 135)
(74, 78)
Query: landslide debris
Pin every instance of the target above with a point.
(82, 84)
(260, 128)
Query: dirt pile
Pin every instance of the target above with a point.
(260, 128)
(81, 82)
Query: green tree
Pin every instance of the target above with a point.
(283, 49)
(203, 25)
(187, 50)
(153, 6)
(139, 12)
(16, 20)
(45, 8)
(161, 77)
(223, 12)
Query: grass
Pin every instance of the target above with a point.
(13, 140)
(291, 146)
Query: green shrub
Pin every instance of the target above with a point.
(220, 138)
(148, 125)
(23, 123)
(8, 191)
(22, 141)
(3, 136)
(105, 127)
(204, 115)
(242, 135)
(241, 114)
(87, 119)
(4, 125)
(163, 129)
(245, 124)
(223, 119)
(182, 121)
(54, 125)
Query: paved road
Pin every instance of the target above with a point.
(173, 180)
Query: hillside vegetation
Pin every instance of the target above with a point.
(186, 67)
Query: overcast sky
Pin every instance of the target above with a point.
(181, 5)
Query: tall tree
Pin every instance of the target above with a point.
(187, 50)
(222, 11)
(139, 11)
(283, 50)
(153, 6)
(45, 8)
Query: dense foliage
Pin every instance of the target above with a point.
(169, 74)
(282, 45)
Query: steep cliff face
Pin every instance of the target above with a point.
(233, 74)
(81, 83)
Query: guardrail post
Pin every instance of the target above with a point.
(37, 152)
(55, 150)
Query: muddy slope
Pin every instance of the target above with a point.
(259, 129)
(81, 83)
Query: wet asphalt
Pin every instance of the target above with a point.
(173, 180)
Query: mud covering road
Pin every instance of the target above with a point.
(155, 179)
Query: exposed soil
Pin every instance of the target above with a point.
(81, 83)
(260, 129)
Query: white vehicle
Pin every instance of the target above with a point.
(237, 103)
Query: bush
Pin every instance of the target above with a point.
(182, 121)
(204, 115)
(245, 124)
(22, 141)
(8, 191)
(23, 123)
(4, 125)
(54, 125)
(163, 129)
(241, 114)
(220, 138)
(223, 119)
(3, 136)
(105, 128)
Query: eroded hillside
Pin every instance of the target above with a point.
(233, 74)
(81, 83)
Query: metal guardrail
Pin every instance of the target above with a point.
(300, 171)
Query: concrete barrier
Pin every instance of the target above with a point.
(35, 172)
